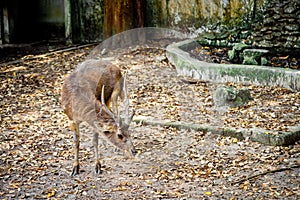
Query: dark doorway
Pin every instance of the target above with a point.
(32, 20)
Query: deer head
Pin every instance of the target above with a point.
(117, 131)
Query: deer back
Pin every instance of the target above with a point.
(81, 91)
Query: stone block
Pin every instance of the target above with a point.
(289, 9)
(235, 53)
(292, 27)
(232, 97)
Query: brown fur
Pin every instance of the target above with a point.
(88, 79)
(81, 101)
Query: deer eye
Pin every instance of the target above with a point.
(120, 136)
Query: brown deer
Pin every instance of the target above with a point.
(87, 95)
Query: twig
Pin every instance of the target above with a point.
(174, 124)
(264, 173)
(46, 54)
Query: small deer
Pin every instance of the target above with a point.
(88, 93)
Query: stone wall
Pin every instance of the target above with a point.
(197, 13)
(177, 12)
(280, 29)
(31, 21)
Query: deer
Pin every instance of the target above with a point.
(90, 94)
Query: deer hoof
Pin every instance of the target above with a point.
(75, 170)
(98, 168)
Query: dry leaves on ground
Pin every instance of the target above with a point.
(36, 144)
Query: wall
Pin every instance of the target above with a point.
(280, 28)
(84, 20)
(51, 18)
(47, 19)
(195, 13)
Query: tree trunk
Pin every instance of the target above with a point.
(84, 20)
(121, 15)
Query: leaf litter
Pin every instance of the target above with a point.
(36, 143)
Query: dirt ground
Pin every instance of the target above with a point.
(36, 143)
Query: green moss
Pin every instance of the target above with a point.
(231, 54)
(240, 46)
(230, 71)
(235, 53)
(263, 61)
(249, 61)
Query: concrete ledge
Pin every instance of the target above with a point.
(222, 73)
(257, 135)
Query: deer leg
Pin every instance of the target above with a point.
(97, 161)
(76, 139)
